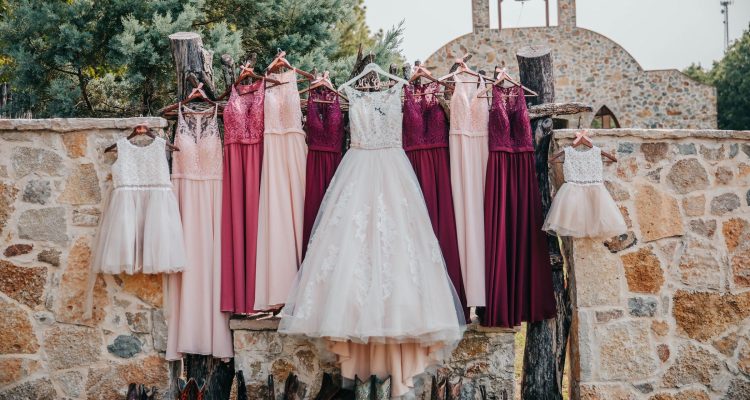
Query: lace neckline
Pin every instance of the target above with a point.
(131, 144)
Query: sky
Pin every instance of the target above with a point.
(660, 34)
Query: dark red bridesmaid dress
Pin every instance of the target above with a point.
(324, 128)
(518, 275)
(243, 156)
(425, 140)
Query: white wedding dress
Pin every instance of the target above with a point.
(373, 281)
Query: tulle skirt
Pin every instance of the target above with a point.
(140, 231)
(584, 211)
(374, 273)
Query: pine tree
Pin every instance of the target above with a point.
(731, 76)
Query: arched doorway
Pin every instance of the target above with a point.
(605, 119)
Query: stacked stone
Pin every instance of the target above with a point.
(663, 312)
(483, 357)
(53, 177)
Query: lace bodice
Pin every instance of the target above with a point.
(425, 122)
(141, 167)
(325, 122)
(509, 126)
(375, 118)
(197, 136)
(469, 114)
(243, 114)
(583, 167)
(283, 113)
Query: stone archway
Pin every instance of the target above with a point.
(604, 119)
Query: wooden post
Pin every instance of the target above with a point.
(192, 63)
(546, 341)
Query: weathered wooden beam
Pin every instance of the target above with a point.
(192, 59)
(557, 109)
(546, 341)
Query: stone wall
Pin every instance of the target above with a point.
(663, 312)
(54, 177)
(484, 357)
(589, 68)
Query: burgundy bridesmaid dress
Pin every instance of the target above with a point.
(243, 155)
(518, 274)
(425, 140)
(325, 138)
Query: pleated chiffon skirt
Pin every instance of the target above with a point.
(280, 217)
(432, 168)
(518, 272)
(468, 166)
(195, 321)
(239, 225)
(320, 168)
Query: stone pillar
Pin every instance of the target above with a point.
(566, 13)
(480, 15)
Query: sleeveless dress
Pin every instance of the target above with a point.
(243, 154)
(519, 275)
(325, 138)
(425, 130)
(195, 322)
(282, 194)
(468, 154)
(140, 230)
(374, 283)
(583, 207)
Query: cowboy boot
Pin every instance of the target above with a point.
(362, 389)
(382, 389)
(328, 388)
(188, 390)
(439, 388)
(132, 392)
(454, 389)
(239, 390)
(271, 395)
(200, 389)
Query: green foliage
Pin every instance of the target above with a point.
(731, 76)
(112, 57)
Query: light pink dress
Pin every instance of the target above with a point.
(196, 324)
(468, 153)
(282, 194)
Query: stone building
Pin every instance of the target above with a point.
(589, 68)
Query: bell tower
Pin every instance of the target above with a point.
(566, 13)
(480, 15)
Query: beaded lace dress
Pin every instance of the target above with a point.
(583, 207)
(373, 282)
(195, 322)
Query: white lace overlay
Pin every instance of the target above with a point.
(583, 167)
(373, 271)
(144, 166)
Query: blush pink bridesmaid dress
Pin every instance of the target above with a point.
(196, 324)
(467, 142)
(282, 194)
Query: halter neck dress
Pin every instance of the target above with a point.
(518, 274)
(468, 154)
(425, 140)
(324, 127)
(195, 322)
(374, 284)
(243, 155)
(282, 194)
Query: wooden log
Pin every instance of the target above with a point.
(192, 61)
(546, 341)
(555, 109)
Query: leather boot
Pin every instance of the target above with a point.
(439, 388)
(132, 392)
(328, 389)
(293, 388)
(454, 389)
(187, 390)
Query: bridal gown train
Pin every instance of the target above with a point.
(373, 282)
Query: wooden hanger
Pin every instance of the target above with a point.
(141, 129)
(463, 69)
(323, 81)
(502, 76)
(422, 72)
(196, 94)
(246, 71)
(372, 67)
(581, 138)
(280, 61)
